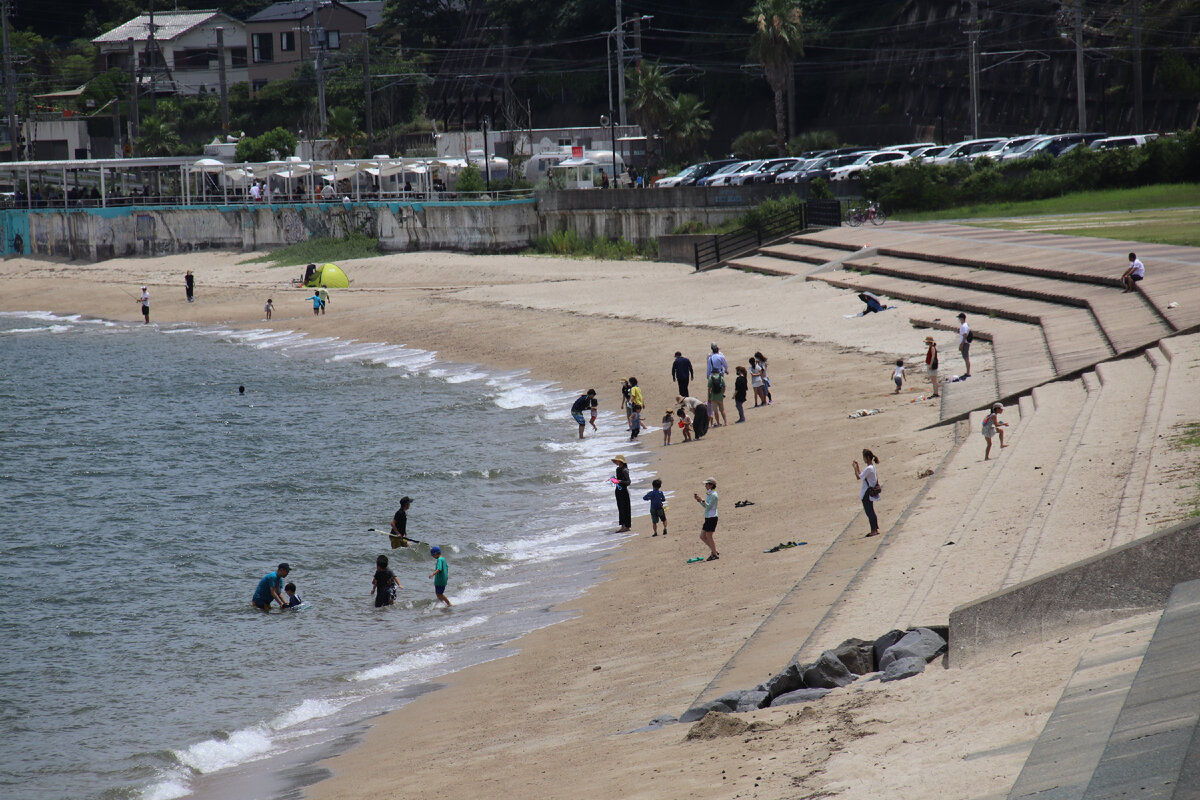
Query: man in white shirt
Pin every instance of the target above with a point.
(964, 342)
(1136, 271)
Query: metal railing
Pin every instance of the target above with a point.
(731, 245)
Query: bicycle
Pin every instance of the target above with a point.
(857, 216)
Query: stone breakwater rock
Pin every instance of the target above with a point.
(921, 643)
(883, 643)
(903, 668)
(698, 712)
(827, 673)
(799, 696)
(857, 654)
(786, 680)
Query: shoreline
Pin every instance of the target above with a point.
(655, 631)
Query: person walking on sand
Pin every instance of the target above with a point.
(440, 575)
(577, 408)
(766, 379)
(898, 375)
(685, 425)
(145, 301)
(869, 488)
(269, 308)
(668, 422)
(992, 424)
(621, 482)
(716, 399)
(635, 394)
(316, 301)
(384, 584)
(681, 372)
(323, 293)
(931, 363)
(189, 286)
(270, 588)
(1136, 271)
(699, 414)
(716, 365)
(965, 337)
(756, 383)
(709, 501)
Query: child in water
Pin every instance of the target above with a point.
(668, 422)
(440, 575)
(293, 600)
(635, 422)
(385, 583)
(595, 411)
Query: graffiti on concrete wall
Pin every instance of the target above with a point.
(291, 226)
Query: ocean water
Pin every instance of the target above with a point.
(143, 499)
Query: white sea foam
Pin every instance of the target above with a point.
(457, 627)
(216, 754)
(308, 710)
(169, 788)
(415, 661)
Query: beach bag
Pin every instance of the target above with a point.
(970, 337)
(873, 492)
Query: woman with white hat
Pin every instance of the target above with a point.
(621, 481)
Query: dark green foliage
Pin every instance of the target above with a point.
(569, 243)
(918, 186)
(754, 144)
(470, 179)
(273, 145)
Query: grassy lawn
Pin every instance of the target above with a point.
(1164, 214)
(320, 251)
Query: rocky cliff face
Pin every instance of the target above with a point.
(909, 78)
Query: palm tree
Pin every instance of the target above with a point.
(341, 124)
(777, 42)
(650, 98)
(687, 125)
(156, 138)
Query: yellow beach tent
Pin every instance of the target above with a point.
(330, 276)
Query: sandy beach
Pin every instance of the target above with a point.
(547, 721)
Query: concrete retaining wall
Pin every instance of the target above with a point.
(1126, 580)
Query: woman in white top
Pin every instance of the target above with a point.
(868, 490)
(762, 364)
(756, 381)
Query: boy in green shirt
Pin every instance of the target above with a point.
(440, 574)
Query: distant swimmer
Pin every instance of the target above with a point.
(145, 301)
(400, 523)
(241, 390)
(270, 588)
(440, 575)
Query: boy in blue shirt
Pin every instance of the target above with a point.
(657, 510)
(440, 574)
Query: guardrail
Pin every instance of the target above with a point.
(722, 247)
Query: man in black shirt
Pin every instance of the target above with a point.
(579, 406)
(400, 523)
(681, 371)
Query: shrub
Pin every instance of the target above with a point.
(470, 179)
(754, 144)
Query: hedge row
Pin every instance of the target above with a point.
(918, 186)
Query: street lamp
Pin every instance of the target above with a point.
(607, 121)
(608, 40)
(487, 169)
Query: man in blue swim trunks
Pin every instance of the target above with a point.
(271, 588)
(579, 406)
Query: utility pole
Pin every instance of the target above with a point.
(133, 90)
(116, 104)
(10, 86)
(221, 79)
(973, 41)
(620, 62)
(1081, 97)
(317, 39)
(368, 112)
(1137, 66)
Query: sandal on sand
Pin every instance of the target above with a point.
(872, 533)
(713, 557)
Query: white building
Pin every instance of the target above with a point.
(187, 42)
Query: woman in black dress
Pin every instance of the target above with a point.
(624, 514)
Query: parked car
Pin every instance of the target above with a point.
(996, 151)
(1058, 144)
(767, 172)
(695, 172)
(822, 167)
(744, 167)
(1113, 142)
(963, 149)
(1020, 150)
(720, 173)
(913, 147)
(792, 174)
(868, 161)
(928, 152)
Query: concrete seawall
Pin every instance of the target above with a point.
(1117, 583)
(95, 234)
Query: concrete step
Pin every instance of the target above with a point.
(1070, 746)
(1170, 475)
(798, 249)
(1128, 321)
(765, 265)
(992, 520)
(1074, 340)
(1098, 471)
(1153, 752)
(1129, 525)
